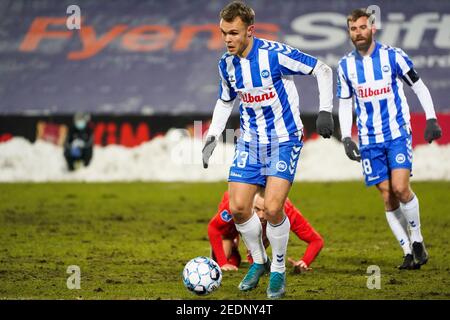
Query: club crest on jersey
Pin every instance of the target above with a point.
(281, 166)
(226, 216)
(369, 92)
(400, 158)
(265, 74)
(249, 98)
(385, 68)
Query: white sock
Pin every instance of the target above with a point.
(398, 225)
(251, 233)
(411, 212)
(278, 236)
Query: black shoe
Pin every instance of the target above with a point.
(420, 253)
(408, 263)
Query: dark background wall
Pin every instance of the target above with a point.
(160, 57)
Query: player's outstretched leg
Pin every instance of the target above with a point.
(411, 211)
(249, 227)
(278, 236)
(399, 227)
(251, 232)
(409, 205)
(277, 232)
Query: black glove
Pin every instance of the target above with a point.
(208, 149)
(432, 131)
(351, 149)
(325, 124)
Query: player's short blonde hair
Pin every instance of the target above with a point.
(238, 9)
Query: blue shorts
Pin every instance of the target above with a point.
(380, 158)
(253, 163)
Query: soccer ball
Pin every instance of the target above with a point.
(202, 276)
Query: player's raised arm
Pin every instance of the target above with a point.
(406, 71)
(218, 253)
(315, 245)
(305, 232)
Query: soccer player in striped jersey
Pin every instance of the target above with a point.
(260, 74)
(372, 75)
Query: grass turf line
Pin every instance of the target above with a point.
(131, 241)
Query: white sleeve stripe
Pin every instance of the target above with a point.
(224, 93)
(402, 63)
(344, 92)
(294, 65)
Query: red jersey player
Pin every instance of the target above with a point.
(224, 238)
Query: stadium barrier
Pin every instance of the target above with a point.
(132, 130)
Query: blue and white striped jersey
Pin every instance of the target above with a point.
(269, 101)
(375, 83)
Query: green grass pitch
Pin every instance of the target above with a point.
(132, 240)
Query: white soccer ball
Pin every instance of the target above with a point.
(202, 276)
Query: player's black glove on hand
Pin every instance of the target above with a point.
(325, 124)
(351, 149)
(208, 149)
(432, 131)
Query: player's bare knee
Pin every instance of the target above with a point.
(273, 213)
(402, 192)
(240, 212)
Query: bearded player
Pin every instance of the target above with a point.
(260, 74)
(372, 75)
